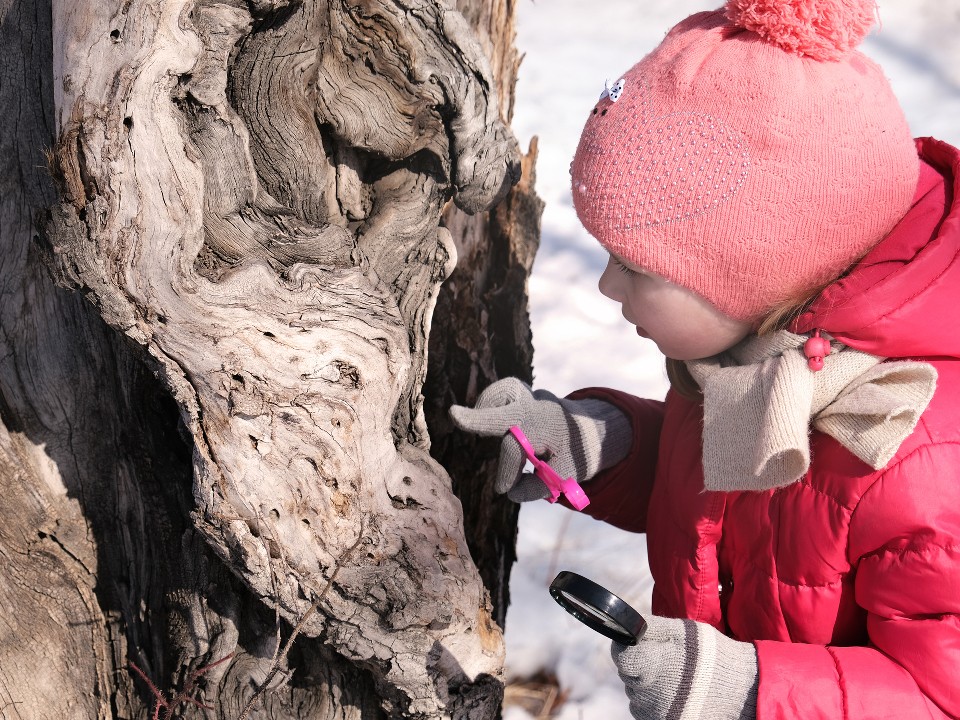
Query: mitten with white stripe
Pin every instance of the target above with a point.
(682, 669)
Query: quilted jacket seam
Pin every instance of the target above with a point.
(841, 683)
(900, 552)
(922, 423)
(828, 496)
(829, 583)
(903, 459)
(895, 467)
(700, 557)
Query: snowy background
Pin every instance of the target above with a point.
(580, 338)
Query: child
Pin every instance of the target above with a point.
(774, 229)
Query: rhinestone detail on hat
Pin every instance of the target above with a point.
(667, 168)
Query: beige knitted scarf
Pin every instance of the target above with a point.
(760, 400)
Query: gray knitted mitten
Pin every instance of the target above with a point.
(686, 669)
(578, 438)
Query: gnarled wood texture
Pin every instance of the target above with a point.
(249, 196)
(481, 328)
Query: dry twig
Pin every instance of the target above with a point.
(185, 696)
(540, 696)
(281, 658)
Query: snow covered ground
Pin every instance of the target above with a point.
(580, 339)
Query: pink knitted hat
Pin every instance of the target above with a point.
(752, 156)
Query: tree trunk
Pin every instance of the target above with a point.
(481, 327)
(212, 433)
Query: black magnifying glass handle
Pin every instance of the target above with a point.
(598, 608)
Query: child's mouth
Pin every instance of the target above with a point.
(641, 332)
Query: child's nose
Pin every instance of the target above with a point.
(608, 284)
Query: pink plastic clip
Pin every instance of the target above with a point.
(556, 484)
(816, 349)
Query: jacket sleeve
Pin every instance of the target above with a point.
(905, 537)
(621, 495)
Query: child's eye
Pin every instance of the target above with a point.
(623, 268)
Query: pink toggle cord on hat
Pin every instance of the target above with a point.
(555, 484)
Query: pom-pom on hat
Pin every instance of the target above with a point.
(752, 156)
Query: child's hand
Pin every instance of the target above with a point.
(577, 438)
(683, 668)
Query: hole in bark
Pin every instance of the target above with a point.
(275, 514)
(82, 215)
(274, 549)
(267, 333)
(408, 503)
(115, 35)
(407, 480)
(128, 122)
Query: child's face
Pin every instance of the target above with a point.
(682, 324)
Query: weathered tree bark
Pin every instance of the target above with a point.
(481, 328)
(212, 434)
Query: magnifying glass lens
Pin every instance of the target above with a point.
(598, 608)
(593, 612)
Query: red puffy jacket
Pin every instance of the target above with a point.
(848, 580)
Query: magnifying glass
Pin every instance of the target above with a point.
(598, 608)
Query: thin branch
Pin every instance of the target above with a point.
(281, 659)
(161, 701)
(190, 686)
(184, 696)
